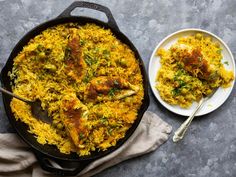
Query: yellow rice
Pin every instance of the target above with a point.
(48, 82)
(177, 86)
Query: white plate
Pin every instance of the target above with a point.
(217, 99)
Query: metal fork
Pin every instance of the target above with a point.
(180, 132)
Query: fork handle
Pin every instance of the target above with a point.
(13, 95)
(180, 132)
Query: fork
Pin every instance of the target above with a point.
(180, 132)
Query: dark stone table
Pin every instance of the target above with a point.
(209, 149)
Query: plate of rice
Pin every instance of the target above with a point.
(189, 65)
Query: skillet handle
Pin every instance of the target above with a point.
(111, 21)
(62, 167)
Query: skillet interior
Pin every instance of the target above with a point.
(21, 128)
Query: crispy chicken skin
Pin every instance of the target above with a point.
(193, 61)
(109, 88)
(73, 114)
(74, 59)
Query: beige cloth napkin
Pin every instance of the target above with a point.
(16, 159)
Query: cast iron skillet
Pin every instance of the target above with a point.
(72, 163)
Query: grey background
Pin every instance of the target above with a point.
(209, 149)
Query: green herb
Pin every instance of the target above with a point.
(112, 91)
(104, 120)
(67, 53)
(110, 130)
(89, 59)
(219, 51)
(178, 74)
(82, 42)
(179, 65)
(175, 78)
(81, 135)
(176, 91)
(86, 78)
(40, 48)
(213, 76)
(181, 83)
(40, 76)
(106, 54)
(226, 62)
(96, 50)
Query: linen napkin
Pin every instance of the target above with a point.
(17, 160)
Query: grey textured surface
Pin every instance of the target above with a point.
(209, 149)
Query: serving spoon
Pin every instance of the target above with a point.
(36, 108)
(180, 132)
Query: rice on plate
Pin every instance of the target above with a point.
(89, 82)
(191, 69)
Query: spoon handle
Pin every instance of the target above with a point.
(180, 132)
(13, 95)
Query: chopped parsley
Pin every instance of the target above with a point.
(90, 60)
(104, 120)
(176, 91)
(226, 62)
(81, 135)
(88, 76)
(106, 54)
(110, 130)
(82, 42)
(67, 53)
(179, 73)
(40, 48)
(179, 65)
(219, 51)
(181, 84)
(112, 91)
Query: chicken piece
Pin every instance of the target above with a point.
(192, 60)
(105, 88)
(74, 114)
(74, 60)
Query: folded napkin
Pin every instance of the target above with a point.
(17, 160)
